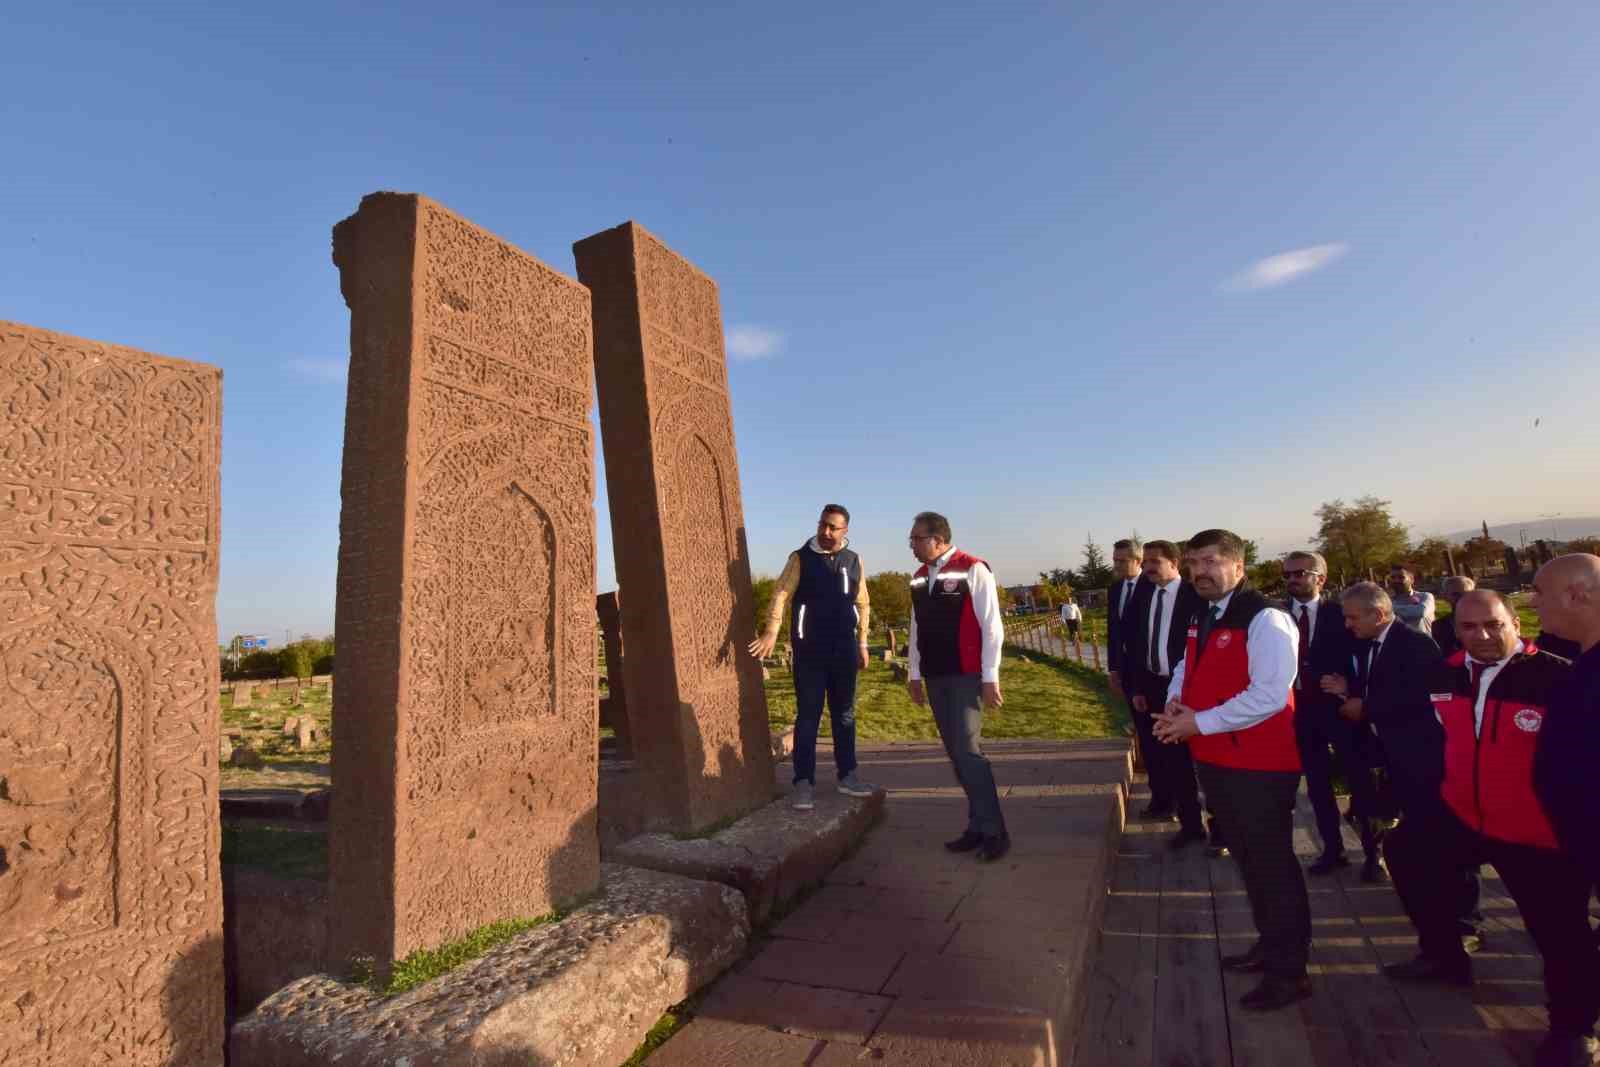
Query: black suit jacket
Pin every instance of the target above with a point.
(1136, 628)
(1114, 634)
(1444, 634)
(1330, 654)
(1398, 708)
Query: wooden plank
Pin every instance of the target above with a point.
(1118, 1017)
(1191, 1024)
(1258, 1039)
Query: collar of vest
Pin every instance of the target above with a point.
(1244, 605)
(814, 547)
(1458, 658)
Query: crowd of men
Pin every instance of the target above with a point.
(1462, 743)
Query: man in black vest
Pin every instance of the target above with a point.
(1126, 561)
(827, 591)
(1153, 636)
(1325, 649)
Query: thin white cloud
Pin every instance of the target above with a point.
(753, 342)
(331, 371)
(1284, 267)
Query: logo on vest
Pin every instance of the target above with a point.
(1529, 720)
(950, 585)
(1224, 639)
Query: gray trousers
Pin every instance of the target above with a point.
(957, 704)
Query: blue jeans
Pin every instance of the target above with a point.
(819, 676)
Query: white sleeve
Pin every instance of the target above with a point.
(1427, 613)
(986, 605)
(1175, 687)
(913, 657)
(1274, 649)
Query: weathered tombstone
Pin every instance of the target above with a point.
(698, 709)
(305, 733)
(614, 708)
(465, 733)
(1513, 564)
(110, 899)
(241, 694)
(893, 650)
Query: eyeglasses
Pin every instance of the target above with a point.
(1298, 573)
(914, 538)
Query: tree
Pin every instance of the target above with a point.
(762, 586)
(1484, 553)
(1007, 601)
(1358, 537)
(890, 592)
(1095, 572)
(1430, 556)
(295, 660)
(1056, 576)
(1252, 553)
(1267, 576)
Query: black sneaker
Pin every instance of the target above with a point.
(968, 841)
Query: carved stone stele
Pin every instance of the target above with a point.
(697, 710)
(110, 899)
(465, 726)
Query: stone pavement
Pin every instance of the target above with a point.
(910, 955)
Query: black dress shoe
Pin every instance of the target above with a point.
(993, 847)
(1427, 969)
(968, 841)
(1185, 837)
(1275, 992)
(1216, 847)
(1328, 863)
(1568, 1051)
(1246, 962)
(1372, 872)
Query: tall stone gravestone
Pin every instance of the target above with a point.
(464, 728)
(110, 899)
(696, 706)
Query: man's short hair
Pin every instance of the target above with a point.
(1371, 596)
(1460, 582)
(1404, 569)
(1130, 544)
(1318, 563)
(1503, 600)
(1164, 549)
(933, 523)
(838, 509)
(1228, 544)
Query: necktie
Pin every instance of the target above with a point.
(1363, 654)
(1303, 620)
(1475, 676)
(1155, 633)
(1122, 607)
(1206, 624)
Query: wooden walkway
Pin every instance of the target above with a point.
(1157, 994)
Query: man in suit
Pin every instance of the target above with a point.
(1153, 636)
(1385, 686)
(1232, 701)
(1126, 558)
(1444, 630)
(1325, 649)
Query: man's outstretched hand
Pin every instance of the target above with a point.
(762, 646)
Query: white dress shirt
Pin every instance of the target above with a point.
(1308, 608)
(1273, 646)
(1489, 671)
(1070, 612)
(1159, 641)
(985, 604)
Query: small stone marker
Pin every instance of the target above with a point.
(306, 733)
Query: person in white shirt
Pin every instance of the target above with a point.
(1072, 618)
(953, 664)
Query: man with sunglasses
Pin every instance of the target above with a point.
(954, 665)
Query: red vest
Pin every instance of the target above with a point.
(1223, 672)
(949, 640)
(1488, 774)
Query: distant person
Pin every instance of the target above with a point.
(1493, 699)
(1412, 608)
(825, 586)
(1444, 630)
(1154, 636)
(1072, 618)
(953, 661)
(1324, 648)
(1567, 598)
(1232, 701)
(1127, 557)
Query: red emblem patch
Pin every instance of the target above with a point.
(1223, 639)
(950, 585)
(1528, 719)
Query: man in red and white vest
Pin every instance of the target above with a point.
(1492, 697)
(1232, 701)
(953, 665)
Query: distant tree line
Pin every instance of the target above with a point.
(298, 659)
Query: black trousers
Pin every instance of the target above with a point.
(1171, 769)
(1551, 891)
(1256, 811)
(1414, 782)
(1320, 728)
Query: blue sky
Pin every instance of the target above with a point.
(1052, 270)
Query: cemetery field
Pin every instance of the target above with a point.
(1044, 697)
(260, 725)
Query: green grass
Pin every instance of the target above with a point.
(426, 964)
(669, 1024)
(285, 853)
(1045, 697)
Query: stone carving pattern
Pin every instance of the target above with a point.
(110, 908)
(501, 652)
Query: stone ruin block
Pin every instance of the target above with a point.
(697, 708)
(465, 728)
(614, 706)
(110, 892)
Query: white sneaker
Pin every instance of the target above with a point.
(851, 786)
(803, 798)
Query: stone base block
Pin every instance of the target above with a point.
(769, 855)
(274, 931)
(583, 991)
